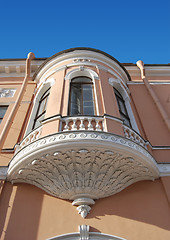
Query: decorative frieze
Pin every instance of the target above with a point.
(7, 92)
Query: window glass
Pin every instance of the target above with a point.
(41, 109)
(2, 112)
(122, 108)
(81, 97)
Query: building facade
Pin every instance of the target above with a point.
(85, 148)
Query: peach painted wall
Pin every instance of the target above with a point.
(140, 211)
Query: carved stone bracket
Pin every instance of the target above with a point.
(82, 166)
(83, 208)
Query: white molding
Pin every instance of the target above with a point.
(84, 234)
(164, 169)
(162, 71)
(48, 83)
(150, 82)
(17, 68)
(83, 54)
(116, 83)
(70, 165)
(85, 72)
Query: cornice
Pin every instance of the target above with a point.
(162, 71)
(16, 68)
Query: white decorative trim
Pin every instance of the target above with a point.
(84, 232)
(83, 54)
(82, 164)
(86, 73)
(150, 82)
(123, 91)
(83, 205)
(164, 169)
(48, 83)
(3, 173)
(7, 92)
(12, 68)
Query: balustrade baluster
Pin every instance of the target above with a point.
(66, 127)
(90, 126)
(97, 125)
(82, 127)
(74, 126)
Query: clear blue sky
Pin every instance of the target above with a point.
(127, 30)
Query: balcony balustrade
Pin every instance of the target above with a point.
(82, 161)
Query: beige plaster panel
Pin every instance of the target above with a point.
(166, 184)
(50, 128)
(141, 211)
(16, 126)
(161, 156)
(110, 104)
(137, 119)
(163, 94)
(114, 127)
(152, 122)
(55, 97)
(5, 158)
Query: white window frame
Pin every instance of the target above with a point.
(116, 83)
(47, 84)
(84, 72)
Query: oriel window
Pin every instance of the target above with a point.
(81, 97)
(41, 109)
(122, 108)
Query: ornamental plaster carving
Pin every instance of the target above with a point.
(82, 166)
(6, 93)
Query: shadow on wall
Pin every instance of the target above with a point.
(21, 218)
(144, 201)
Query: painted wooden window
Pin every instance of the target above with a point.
(81, 97)
(41, 109)
(122, 108)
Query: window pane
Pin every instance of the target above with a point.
(38, 121)
(81, 80)
(41, 109)
(3, 111)
(81, 99)
(87, 93)
(122, 106)
(88, 110)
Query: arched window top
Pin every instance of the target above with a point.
(81, 79)
(81, 72)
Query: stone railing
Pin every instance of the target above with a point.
(31, 137)
(134, 136)
(82, 123)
